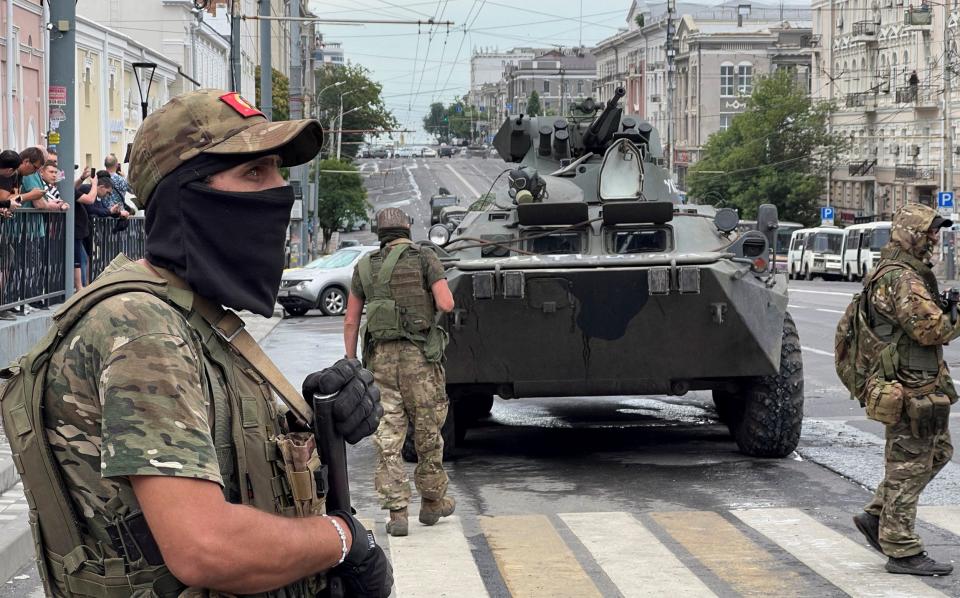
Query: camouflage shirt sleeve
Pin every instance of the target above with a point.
(432, 268)
(355, 287)
(902, 297)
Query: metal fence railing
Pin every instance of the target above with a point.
(107, 244)
(31, 257)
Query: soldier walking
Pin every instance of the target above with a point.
(904, 309)
(145, 423)
(403, 286)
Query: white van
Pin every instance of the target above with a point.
(795, 252)
(821, 255)
(861, 247)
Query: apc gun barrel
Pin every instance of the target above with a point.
(607, 110)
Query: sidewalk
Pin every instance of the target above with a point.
(16, 543)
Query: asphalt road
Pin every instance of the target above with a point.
(635, 496)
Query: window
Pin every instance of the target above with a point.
(86, 86)
(745, 79)
(546, 87)
(558, 243)
(113, 90)
(523, 86)
(726, 80)
(725, 120)
(579, 87)
(640, 241)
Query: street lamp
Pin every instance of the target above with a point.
(144, 98)
(340, 131)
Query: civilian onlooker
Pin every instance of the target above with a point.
(31, 160)
(31, 183)
(85, 195)
(120, 185)
(9, 162)
(51, 198)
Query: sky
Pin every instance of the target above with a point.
(418, 65)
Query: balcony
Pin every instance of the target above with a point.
(918, 18)
(865, 31)
(865, 168)
(915, 172)
(810, 41)
(921, 96)
(867, 100)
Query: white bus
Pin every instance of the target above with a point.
(861, 247)
(815, 252)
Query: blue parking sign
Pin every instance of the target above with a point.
(945, 199)
(826, 214)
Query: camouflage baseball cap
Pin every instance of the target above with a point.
(212, 121)
(392, 218)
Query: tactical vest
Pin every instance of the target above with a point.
(79, 558)
(398, 305)
(910, 355)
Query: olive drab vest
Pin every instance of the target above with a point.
(398, 305)
(78, 557)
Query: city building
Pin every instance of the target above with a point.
(560, 78)
(107, 108)
(882, 64)
(327, 53)
(23, 73)
(706, 42)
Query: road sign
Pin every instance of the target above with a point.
(57, 95)
(509, 106)
(53, 138)
(826, 215)
(459, 108)
(945, 199)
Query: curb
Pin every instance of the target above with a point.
(16, 541)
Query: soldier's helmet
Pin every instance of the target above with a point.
(911, 223)
(213, 121)
(392, 218)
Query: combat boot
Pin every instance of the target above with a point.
(432, 510)
(869, 526)
(918, 564)
(398, 524)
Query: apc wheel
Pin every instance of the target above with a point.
(448, 432)
(333, 302)
(772, 407)
(295, 312)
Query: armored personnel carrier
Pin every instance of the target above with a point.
(590, 278)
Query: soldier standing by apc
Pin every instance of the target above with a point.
(403, 286)
(144, 424)
(903, 308)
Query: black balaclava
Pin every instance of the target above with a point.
(388, 235)
(228, 246)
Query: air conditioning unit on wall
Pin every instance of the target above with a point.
(914, 150)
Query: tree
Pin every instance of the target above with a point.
(533, 104)
(342, 197)
(281, 95)
(437, 122)
(777, 151)
(363, 106)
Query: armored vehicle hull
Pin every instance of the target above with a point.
(592, 279)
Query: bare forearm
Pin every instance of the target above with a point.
(351, 333)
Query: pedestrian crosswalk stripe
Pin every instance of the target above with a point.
(435, 561)
(853, 568)
(632, 557)
(731, 555)
(946, 517)
(533, 559)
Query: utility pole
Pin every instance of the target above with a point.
(671, 53)
(11, 77)
(235, 57)
(266, 62)
(947, 146)
(298, 173)
(63, 78)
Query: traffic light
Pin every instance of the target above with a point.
(446, 118)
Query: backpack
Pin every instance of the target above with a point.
(858, 351)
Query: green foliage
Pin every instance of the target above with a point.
(454, 120)
(342, 197)
(360, 92)
(281, 95)
(533, 104)
(639, 20)
(777, 151)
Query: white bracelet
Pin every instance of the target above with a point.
(343, 539)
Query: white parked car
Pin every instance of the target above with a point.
(428, 152)
(404, 152)
(323, 283)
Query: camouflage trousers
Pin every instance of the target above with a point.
(411, 390)
(910, 465)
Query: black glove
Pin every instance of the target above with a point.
(356, 410)
(366, 571)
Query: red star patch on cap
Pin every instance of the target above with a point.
(242, 106)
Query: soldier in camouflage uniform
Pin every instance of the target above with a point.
(904, 308)
(169, 442)
(401, 346)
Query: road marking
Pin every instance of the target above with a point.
(822, 293)
(946, 517)
(817, 351)
(427, 166)
(533, 560)
(853, 568)
(830, 311)
(464, 181)
(634, 559)
(798, 307)
(731, 555)
(433, 561)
